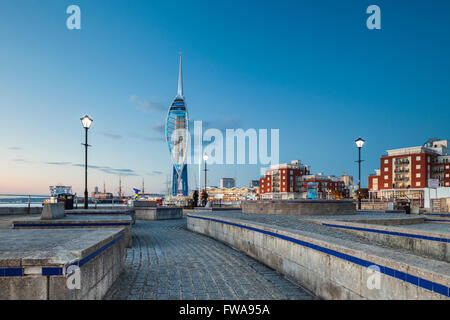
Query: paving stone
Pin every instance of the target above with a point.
(169, 262)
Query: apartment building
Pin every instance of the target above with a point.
(292, 180)
(281, 178)
(412, 168)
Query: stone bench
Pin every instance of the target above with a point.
(158, 213)
(79, 221)
(102, 212)
(36, 264)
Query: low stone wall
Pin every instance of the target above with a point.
(19, 210)
(37, 263)
(385, 221)
(80, 222)
(144, 203)
(211, 209)
(429, 244)
(102, 212)
(437, 217)
(158, 213)
(53, 211)
(300, 207)
(375, 205)
(329, 267)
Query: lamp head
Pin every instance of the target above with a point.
(86, 121)
(205, 157)
(359, 142)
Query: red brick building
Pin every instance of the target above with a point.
(290, 181)
(283, 177)
(411, 168)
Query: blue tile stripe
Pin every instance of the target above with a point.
(393, 233)
(437, 220)
(95, 224)
(58, 271)
(423, 283)
(52, 271)
(11, 272)
(438, 214)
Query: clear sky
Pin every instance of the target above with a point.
(311, 69)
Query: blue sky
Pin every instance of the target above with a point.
(312, 70)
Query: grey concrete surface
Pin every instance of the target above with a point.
(49, 246)
(75, 221)
(53, 211)
(333, 267)
(103, 212)
(169, 262)
(99, 253)
(299, 207)
(8, 211)
(158, 213)
(433, 227)
(7, 220)
(144, 204)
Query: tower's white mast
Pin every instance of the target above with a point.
(180, 79)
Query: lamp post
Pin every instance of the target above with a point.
(359, 144)
(86, 121)
(205, 157)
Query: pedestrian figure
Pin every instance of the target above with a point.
(195, 199)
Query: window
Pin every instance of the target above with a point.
(386, 177)
(418, 166)
(418, 158)
(386, 185)
(386, 169)
(447, 167)
(386, 161)
(447, 175)
(418, 184)
(447, 184)
(417, 175)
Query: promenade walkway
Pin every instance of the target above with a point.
(169, 262)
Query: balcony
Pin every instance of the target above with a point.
(402, 170)
(401, 162)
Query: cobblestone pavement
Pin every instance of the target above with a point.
(169, 262)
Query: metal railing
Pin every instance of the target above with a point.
(22, 200)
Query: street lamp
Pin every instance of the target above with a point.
(359, 144)
(205, 157)
(86, 121)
